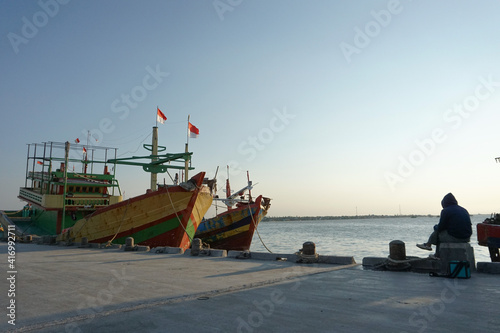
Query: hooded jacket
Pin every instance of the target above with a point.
(454, 218)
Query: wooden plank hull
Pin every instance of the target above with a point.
(166, 217)
(234, 229)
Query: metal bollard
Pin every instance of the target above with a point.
(129, 242)
(397, 250)
(309, 248)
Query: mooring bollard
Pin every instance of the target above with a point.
(307, 254)
(84, 241)
(196, 246)
(309, 248)
(397, 250)
(129, 242)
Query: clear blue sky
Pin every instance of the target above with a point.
(333, 106)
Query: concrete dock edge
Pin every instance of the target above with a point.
(488, 267)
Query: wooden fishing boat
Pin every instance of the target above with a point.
(234, 228)
(168, 216)
(76, 205)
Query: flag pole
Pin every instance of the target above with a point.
(156, 118)
(185, 160)
(187, 133)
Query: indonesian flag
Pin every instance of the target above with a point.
(160, 117)
(193, 131)
(39, 162)
(84, 150)
(77, 140)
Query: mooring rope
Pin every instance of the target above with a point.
(87, 218)
(176, 215)
(121, 223)
(396, 265)
(33, 220)
(13, 212)
(256, 229)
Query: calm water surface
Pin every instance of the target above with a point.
(355, 237)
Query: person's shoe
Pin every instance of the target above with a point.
(424, 246)
(433, 257)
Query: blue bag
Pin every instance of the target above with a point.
(456, 269)
(459, 269)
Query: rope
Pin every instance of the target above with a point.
(396, 265)
(176, 215)
(307, 258)
(34, 218)
(123, 219)
(13, 212)
(88, 217)
(139, 146)
(258, 234)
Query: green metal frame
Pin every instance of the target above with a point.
(157, 161)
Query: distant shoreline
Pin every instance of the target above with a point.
(319, 218)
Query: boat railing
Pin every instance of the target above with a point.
(39, 175)
(87, 202)
(56, 201)
(58, 176)
(30, 195)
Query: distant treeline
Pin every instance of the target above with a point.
(318, 218)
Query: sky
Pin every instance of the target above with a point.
(333, 107)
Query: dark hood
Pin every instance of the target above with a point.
(448, 200)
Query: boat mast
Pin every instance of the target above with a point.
(27, 167)
(86, 154)
(186, 165)
(66, 154)
(157, 163)
(249, 187)
(154, 157)
(228, 188)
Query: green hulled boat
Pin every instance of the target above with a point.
(55, 196)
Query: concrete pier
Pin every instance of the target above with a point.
(72, 289)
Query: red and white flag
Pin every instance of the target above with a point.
(193, 131)
(84, 150)
(77, 140)
(39, 162)
(160, 117)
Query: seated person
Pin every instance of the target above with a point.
(454, 225)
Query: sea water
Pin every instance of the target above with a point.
(356, 237)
